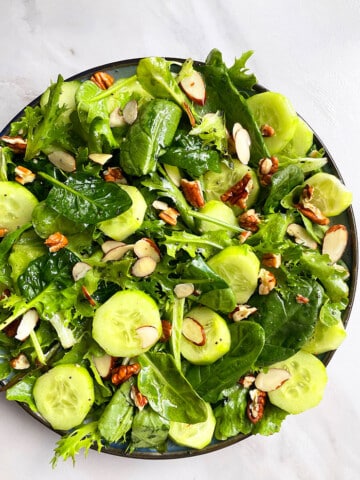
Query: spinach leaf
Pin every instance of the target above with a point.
(22, 391)
(167, 390)
(287, 323)
(231, 417)
(192, 156)
(282, 182)
(116, 419)
(153, 130)
(149, 430)
(224, 96)
(247, 341)
(86, 199)
(155, 76)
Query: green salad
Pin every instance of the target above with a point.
(171, 258)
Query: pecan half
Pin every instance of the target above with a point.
(102, 79)
(239, 193)
(256, 405)
(138, 398)
(250, 220)
(56, 242)
(267, 168)
(169, 216)
(123, 372)
(193, 192)
(114, 174)
(17, 143)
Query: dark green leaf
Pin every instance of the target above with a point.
(282, 182)
(167, 390)
(149, 430)
(87, 199)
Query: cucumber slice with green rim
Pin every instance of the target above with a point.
(127, 324)
(326, 338)
(205, 336)
(196, 435)
(330, 195)
(66, 99)
(301, 142)
(305, 388)
(16, 205)
(64, 395)
(125, 224)
(215, 184)
(239, 267)
(274, 109)
(219, 211)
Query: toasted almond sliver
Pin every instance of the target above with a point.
(335, 241)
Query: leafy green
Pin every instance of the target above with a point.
(149, 430)
(239, 73)
(153, 130)
(189, 154)
(282, 182)
(167, 390)
(87, 199)
(247, 341)
(230, 415)
(212, 131)
(116, 419)
(5, 248)
(22, 391)
(207, 244)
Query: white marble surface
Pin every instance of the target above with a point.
(309, 51)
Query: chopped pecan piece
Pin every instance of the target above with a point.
(3, 232)
(256, 405)
(17, 143)
(20, 362)
(166, 330)
(267, 282)
(247, 380)
(241, 312)
(24, 175)
(272, 260)
(193, 192)
(267, 130)
(244, 236)
(56, 242)
(138, 398)
(312, 213)
(301, 299)
(123, 372)
(114, 174)
(267, 168)
(239, 193)
(103, 80)
(250, 220)
(169, 216)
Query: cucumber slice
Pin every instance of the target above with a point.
(127, 324)
(219, 211)
(205, 336)
(16, 205)
(67, 98)
(325, 338)
(64, 395)
(215, 184)
(305, 388)
(239, 267)
(196, 435)
(125, 224)
(301, 142)
(330, 194)
(274, 109)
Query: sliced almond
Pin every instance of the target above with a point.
(130, 112)
(183, 290)
(159, 205)
(148, 334)
(103, 364)
(271, 379)
(63, 160)
(194, 87)
(335, 241)
(79, 270)
(100, 158)
(110, 244)
(193, 331)
(145, 247)
(116, 253)
(301, 236)
(242, 143)
(27, 324)
(20, 362)
(143, 267)
(116, 118)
